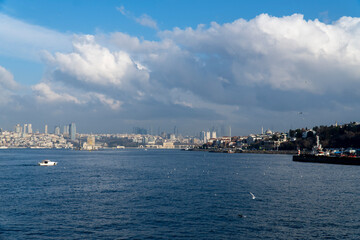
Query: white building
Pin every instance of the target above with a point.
(213, 134)
(205, 136)
(30, 128)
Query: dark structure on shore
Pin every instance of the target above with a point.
(327, 159)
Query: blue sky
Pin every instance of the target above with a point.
(90, 16)
(173, 71)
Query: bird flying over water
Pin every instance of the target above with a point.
(253, 196)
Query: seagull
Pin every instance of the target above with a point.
(253, 196)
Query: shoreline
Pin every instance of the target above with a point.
(286, 152)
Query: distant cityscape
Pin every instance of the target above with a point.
(23, 136)
(67, 137)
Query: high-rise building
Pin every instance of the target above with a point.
(25, 128)
(72, 131)
(66, 130)
(57, 130)
(205, 136)
(46, 129)
(30, 128)
(208, 136)
(18, 128)
(222, 131)
(213, 134)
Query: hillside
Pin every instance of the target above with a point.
(341, 136)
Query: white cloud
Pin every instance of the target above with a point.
(50, 93)
(235, 71)
(8, 86)
(244, 59)
(110, 102)
(122, 10)
(7, 79)
(97, 65)
(23, 40)
(144, 19)
(285, 53)
(45, 95)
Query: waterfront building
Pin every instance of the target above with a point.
(90, 143)
(91, 140)
(72, 131)
(168, 145)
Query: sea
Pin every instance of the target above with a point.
(173, 194)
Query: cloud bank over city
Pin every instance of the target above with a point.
(247, 73)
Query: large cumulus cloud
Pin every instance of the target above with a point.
(286, 53)
(233, 72)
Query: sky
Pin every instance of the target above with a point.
(199, 65)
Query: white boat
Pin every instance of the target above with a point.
(47, 163)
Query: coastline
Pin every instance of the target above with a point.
(286, 152)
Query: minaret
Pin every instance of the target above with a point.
(262, 130)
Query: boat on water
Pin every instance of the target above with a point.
(47, 162)
(186, 149)
(320, 156)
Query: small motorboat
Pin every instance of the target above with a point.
(47, 162)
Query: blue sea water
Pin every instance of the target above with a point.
(170, 194)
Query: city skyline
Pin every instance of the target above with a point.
(115, 65)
